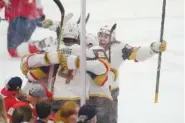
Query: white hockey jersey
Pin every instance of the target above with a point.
(101, 91)
(104, 90)
(121, 52)
(97, 72)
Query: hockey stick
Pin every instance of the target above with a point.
(59, 38)
(78, 20)
(59, 29)
(160, 54)
(110, 37)
(86, 20)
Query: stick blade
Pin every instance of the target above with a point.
(113, 27)
(86, 20)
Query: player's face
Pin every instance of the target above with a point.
(103, 39)
(68, 42)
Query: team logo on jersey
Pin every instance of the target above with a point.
(100, 53)
(66, 51)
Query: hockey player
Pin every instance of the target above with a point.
(36, 68)
(23, 17)
(99, 93)
(70, 82)
(100, 96)
(67, 83)
(121, 52)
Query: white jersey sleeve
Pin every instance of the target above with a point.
(136, 53)
(94, 58)
(34, 62)
(143, 53)
(121, 52)
(40, 60)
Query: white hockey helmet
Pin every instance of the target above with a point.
(105, 30)
(71, 30)
(91, 39)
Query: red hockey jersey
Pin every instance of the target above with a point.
(21, 8)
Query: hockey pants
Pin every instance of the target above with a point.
(114, 110)
(103, 108)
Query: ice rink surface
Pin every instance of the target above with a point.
(138, 25)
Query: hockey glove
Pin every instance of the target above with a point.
(158, 46)
(46, 23)
(69, 62)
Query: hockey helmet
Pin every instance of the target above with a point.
(71, 30)
(91, 40)
(105, 32)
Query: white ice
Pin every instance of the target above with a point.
(138, 24)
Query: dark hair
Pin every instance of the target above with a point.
(22, 114)
(43, 109)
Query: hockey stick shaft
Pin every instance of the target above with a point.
(160, 54)
(110, 38)
(86, 20)
(59, 30)
(59, 38)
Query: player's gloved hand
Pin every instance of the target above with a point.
(46, 23)
(70, 62)
(158, 46)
